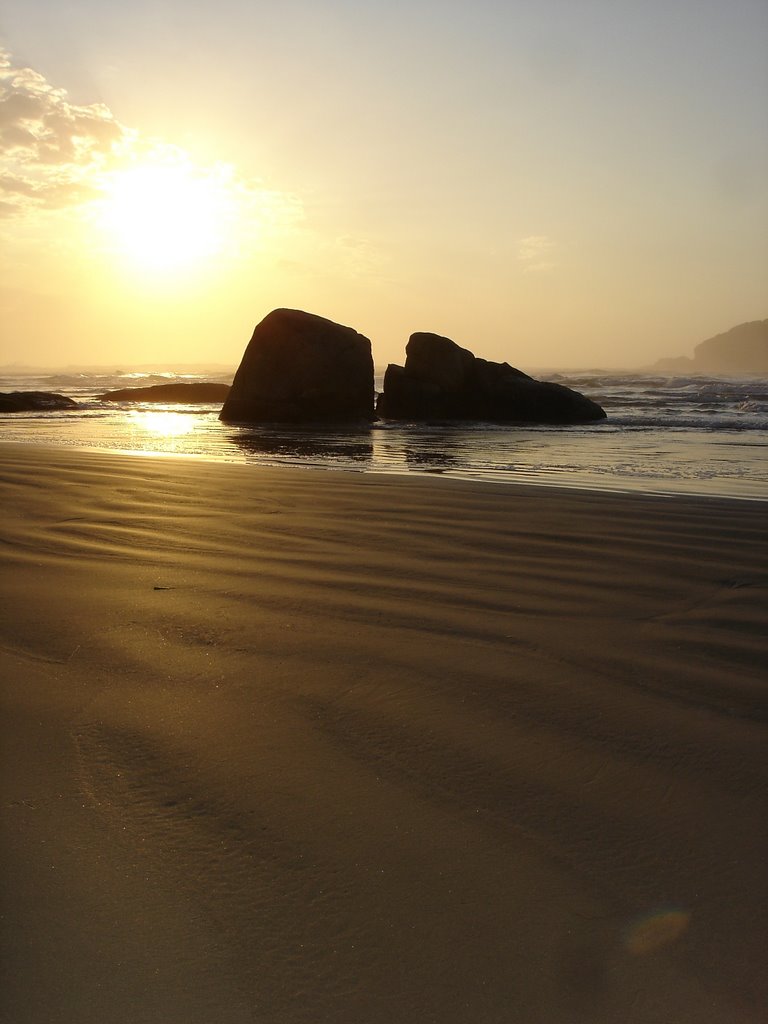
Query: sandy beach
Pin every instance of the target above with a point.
(290, 746)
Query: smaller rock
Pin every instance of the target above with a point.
(189, 394)
(442, 381)
(34, 401)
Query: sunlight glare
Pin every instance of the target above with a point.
(167, 215)
(165, 424)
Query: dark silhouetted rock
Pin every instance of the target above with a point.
(34, 401)
(189, 394)
(302, 368)
(442, 381)
(742, 350)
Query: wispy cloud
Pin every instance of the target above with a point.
(535, 253)
(49, 147)
(356, 256)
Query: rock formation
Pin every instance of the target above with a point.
(34, 401)
(190, 394)
(442, 381)
(741, 350)
(302, 368)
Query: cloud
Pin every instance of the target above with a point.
(355, 256)
(58, 156)
(49, 147)
(533, 252)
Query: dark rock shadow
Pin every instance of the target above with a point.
(299, 446)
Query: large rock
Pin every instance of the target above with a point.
(302, 368)
(442, 381)
(190, 394)
(34, 401)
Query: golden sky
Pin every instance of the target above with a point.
(550, 183)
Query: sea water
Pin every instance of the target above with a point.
(663, 435)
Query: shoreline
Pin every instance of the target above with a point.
(628, 487)
(360, 747)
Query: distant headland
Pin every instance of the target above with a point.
(742, 350)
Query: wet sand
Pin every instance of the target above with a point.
(298, 746)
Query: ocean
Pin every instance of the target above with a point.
(664, 435)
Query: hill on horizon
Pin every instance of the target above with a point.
(741, 350)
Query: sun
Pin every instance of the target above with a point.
(167, 215)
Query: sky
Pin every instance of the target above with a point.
(555, 183)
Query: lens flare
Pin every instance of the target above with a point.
(655, 930)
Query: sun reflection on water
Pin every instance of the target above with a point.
(164, 424)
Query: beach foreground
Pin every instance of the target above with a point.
(283, 745)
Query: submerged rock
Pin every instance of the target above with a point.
(34, 401)
(188, 393)
(442, 381)
(302, 368)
